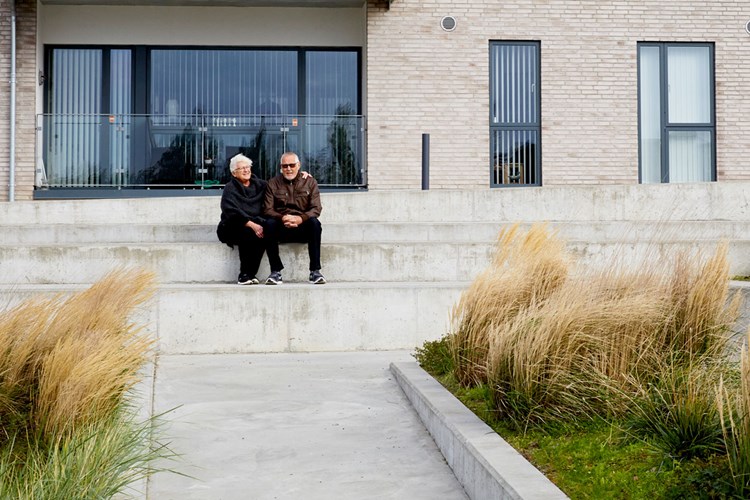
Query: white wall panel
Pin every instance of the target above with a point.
(75, 24)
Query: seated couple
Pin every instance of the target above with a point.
(257, 215)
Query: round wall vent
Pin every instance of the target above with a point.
(747, 27)
(448, 23)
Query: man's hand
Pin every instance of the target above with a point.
(291, 220)
(257, 228)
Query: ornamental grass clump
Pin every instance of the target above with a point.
(548, 363)
(67, 364)
(642, 345)
(557, 342)
(525, 270)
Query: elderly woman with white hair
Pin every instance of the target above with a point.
(242, 217)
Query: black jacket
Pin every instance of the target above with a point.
(240, 204)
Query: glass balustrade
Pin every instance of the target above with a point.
(193, 151)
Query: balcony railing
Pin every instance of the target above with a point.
(193, 151)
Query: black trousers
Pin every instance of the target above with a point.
(308, 232)
(251, 250)
(250, 246)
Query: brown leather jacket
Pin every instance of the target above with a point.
(296, 197)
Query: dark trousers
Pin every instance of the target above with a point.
(251, 250)
(308, 232)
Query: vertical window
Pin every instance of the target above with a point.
(676, 112)
(515, 124)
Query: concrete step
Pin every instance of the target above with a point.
(377, 231)
(290, 318)
(698, 201)
(202, 319)
(217, 263)
(407, 261)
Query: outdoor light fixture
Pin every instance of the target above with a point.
(448, 23)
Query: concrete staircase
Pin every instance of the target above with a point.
(396, 260)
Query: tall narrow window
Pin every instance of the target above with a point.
(515, 124)
(676, 112)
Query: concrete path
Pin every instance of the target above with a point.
(294, 426)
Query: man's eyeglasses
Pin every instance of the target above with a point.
(288, 165)
(242, 168)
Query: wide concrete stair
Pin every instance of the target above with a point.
(396, 260)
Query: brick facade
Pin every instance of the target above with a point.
(26, 86)
(423, 79)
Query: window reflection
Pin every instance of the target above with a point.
(223, 82)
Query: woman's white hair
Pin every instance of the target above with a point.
(236, 160)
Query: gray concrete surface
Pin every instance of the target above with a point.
(728, 201)
(294, 426)
(484, 463)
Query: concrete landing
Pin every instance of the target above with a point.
(295, 426)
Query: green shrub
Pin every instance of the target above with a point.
(435, 356)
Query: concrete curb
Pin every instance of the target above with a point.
(485, 465)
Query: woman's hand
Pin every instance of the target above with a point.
(257, 228)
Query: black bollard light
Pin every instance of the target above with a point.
(425, 162)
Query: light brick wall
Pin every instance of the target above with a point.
(423, 79)
(26, 84)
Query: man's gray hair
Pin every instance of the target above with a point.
(237, 159)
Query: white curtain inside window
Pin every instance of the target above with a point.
(72, 133)
(650, 108)
(690, 156)
(689, 84)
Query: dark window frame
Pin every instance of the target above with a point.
(664, 124)
(536, 126)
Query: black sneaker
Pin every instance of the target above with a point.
(246, 279)
(316, 278)
(274, 278)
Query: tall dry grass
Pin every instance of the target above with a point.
(66, 365)
(67, 360)
(525, 270)
(555, 341)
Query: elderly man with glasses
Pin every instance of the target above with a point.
(292, 204)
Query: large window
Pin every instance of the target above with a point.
(515, 122)
(676, 112)
(152, 116)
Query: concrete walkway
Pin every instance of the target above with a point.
(294, 426)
